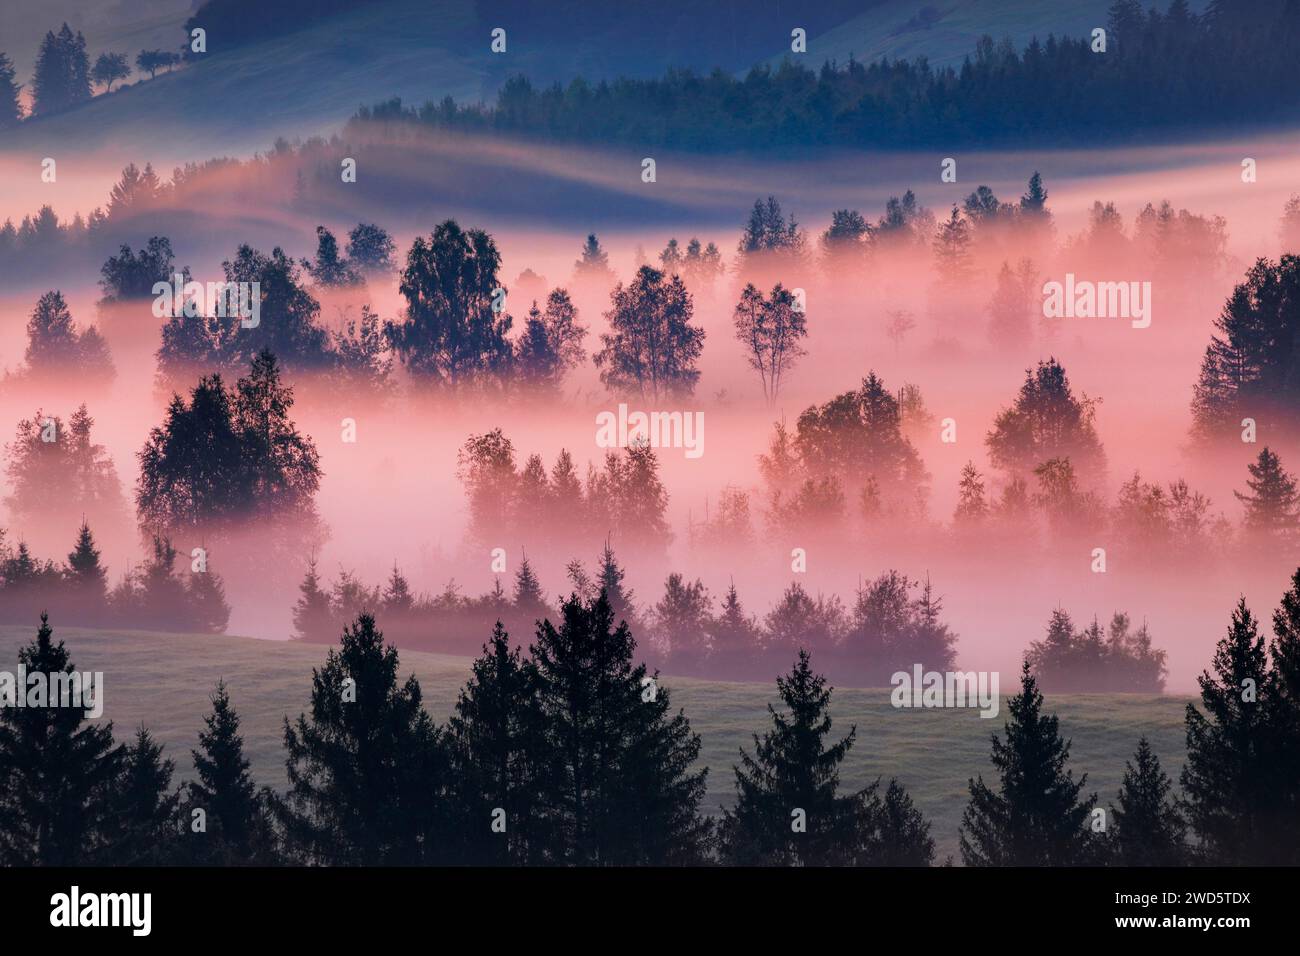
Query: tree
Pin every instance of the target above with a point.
(312, 620)
(498, 747)
(486, 467)
(551, 345)
(366, 771)
(11, 109)
(1248, 370)
(771, 329)
(528, 600)
(236, 815)
(227, 455)
(452, 333)
(734, 637)
(1284, 718)
(1148, 826)
(109, 68)
(1036, 817)
(972, 504)
(682, 620)
(62, 77)
(1272, 504)
(594, 264)
(769, 234)
(58, 776)
(135, 192)
(652, 347)
(208, 611)
(370, 249)
(55, 346)
(952, 252)
(789, 810)
(143, 808)
(128, 276)
(329, 269)
(1046, 421)
(87, 596)
(623, 791)
(54, 469)
(1010, 308)
(1230, 803)
(151, 61)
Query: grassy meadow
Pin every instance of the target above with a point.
(164, 681)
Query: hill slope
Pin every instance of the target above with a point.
(164, 681)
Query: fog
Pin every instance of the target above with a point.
(393, 496)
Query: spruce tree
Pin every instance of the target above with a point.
(208, 610)
(899, 833)
(621, 788)
(86, 579)
(1272, 504)
(734, 636)
(11, 110)
(1227, 779)
(397, 594)
(237, 827)
(57, 772)
(528, 600)
(497, 749)
(1036, 816)
(1148, 828)
(365, 768)
(144, 808)
(1284, 718)
(311, 615)
(789, 810)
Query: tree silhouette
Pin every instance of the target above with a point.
(498, 750)
(62, 77)
(771, 329)
(451, 334)
(237, 822)
(1148, 826)
(329, 269)
(59, 773)
(312, 620)
(109, 68)
(11, 109)
(370, 249)
(788, 807)
(624, 792)
(1036, 817)
(551, 345)
(143, 807)
(87, 595)
(366, 769)
(652, 347)
(1046, 421)
(1226, 779)
(1272, 504)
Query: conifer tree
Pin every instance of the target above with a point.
(311, 614)
(1148, 828)
(366, 781)
(899, 833)
(528, 599)
(57, 773)
(208, 610)
(11, 110)
(622, 791)
(734, 636)
(1036, 816)
(1272, 504)
(1284, 718)
(789, 810)
(397, 594)
(86, 578)
(497, 750)
(143, 807)
(237, 827)
(1227, 779)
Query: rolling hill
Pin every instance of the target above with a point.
(164, 681)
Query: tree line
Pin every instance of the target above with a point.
(1170, 71)
(571, 754)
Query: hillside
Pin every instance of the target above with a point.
(946, 31)
(164, 681)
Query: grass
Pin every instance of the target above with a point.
(164, 681)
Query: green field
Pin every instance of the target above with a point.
(164, 681)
